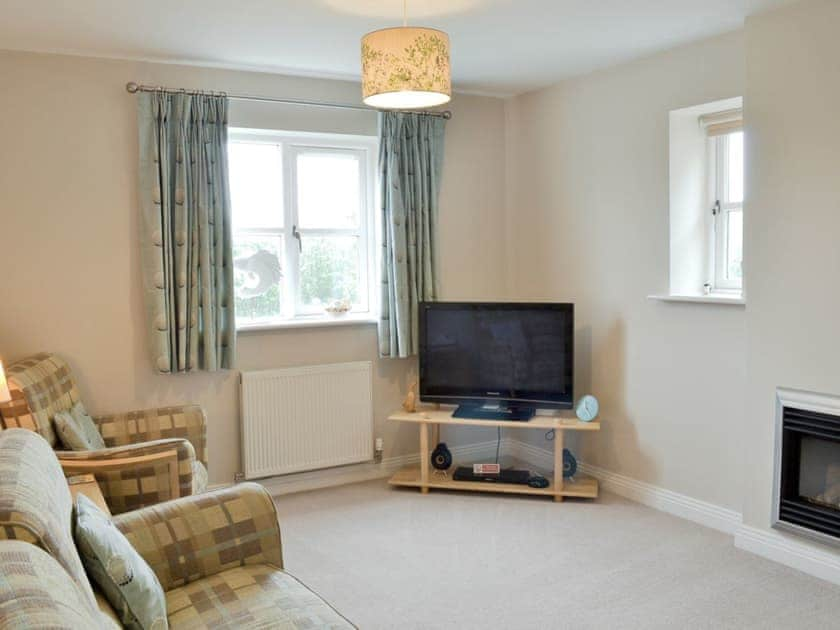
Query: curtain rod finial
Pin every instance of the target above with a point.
(131, 87)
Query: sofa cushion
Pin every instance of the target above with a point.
(125, 578)
(35, 502)
(252, 596)
(199, 480)
(77, 431)
(35, 592)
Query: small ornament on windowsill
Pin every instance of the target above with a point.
(338, 307)
(410, 402)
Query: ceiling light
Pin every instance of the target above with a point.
(406, 67)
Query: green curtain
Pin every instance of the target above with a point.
(185, 231)
(410, 164)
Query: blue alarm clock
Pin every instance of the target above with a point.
(587, 408)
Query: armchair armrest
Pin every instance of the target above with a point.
(196, 537)
(187, 422)
(136, 475)
(168, 458)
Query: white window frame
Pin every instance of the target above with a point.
(721, 207)
(293, 144)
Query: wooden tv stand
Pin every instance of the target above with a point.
(421, 477)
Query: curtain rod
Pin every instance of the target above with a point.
(133, 88)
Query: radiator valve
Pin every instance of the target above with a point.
(377, 449)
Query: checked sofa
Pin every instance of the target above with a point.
(152, 455)
(217, 555)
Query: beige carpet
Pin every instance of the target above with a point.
(389, 558)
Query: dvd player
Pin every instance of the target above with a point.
(465, 473)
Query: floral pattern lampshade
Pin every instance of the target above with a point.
(406, 68)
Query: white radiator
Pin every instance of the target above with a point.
(306, 418)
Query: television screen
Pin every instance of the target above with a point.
(514, 353)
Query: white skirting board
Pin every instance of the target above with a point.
(701, 512)
(789, 551)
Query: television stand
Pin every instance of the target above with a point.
(495, 411)
(429, 421)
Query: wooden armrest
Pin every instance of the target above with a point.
(169, 457)
(87, 485)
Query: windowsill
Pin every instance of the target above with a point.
(734, 299)
(329, 321)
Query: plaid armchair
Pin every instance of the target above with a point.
(218, 555)
(152, 455)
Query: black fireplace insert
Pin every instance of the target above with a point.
(808, 474)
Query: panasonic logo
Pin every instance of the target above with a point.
(494, 393)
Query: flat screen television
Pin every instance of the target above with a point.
(497, 360)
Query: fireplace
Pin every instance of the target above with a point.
(807, 483)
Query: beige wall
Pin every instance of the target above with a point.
(588, 213)
(792, 216)
(68, 220)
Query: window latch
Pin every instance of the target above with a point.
(716, 208)
(296, 234)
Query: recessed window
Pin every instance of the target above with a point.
(706, 172)
(303, 236)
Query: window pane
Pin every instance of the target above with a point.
(735, 244)
(256, 185)
(328, 190)
(329, 271)
(736, 168)
(257, 277)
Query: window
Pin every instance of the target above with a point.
(727, 174)
(724, 130)
(706, 196)
(302, 236)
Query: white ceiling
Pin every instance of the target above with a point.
(498, 46)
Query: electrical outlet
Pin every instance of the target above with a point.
(238, 477)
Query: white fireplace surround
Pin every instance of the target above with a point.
(809, 401)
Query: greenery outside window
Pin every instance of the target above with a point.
(303, 229)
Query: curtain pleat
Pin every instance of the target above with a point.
(186, 237)
(410, 164)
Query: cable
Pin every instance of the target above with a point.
(549, 435)
(498, 442)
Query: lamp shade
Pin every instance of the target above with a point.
(5, 396)
(406, 67)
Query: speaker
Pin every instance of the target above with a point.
(441, 457)
(569, 464)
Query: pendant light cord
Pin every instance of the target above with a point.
(405, 13)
